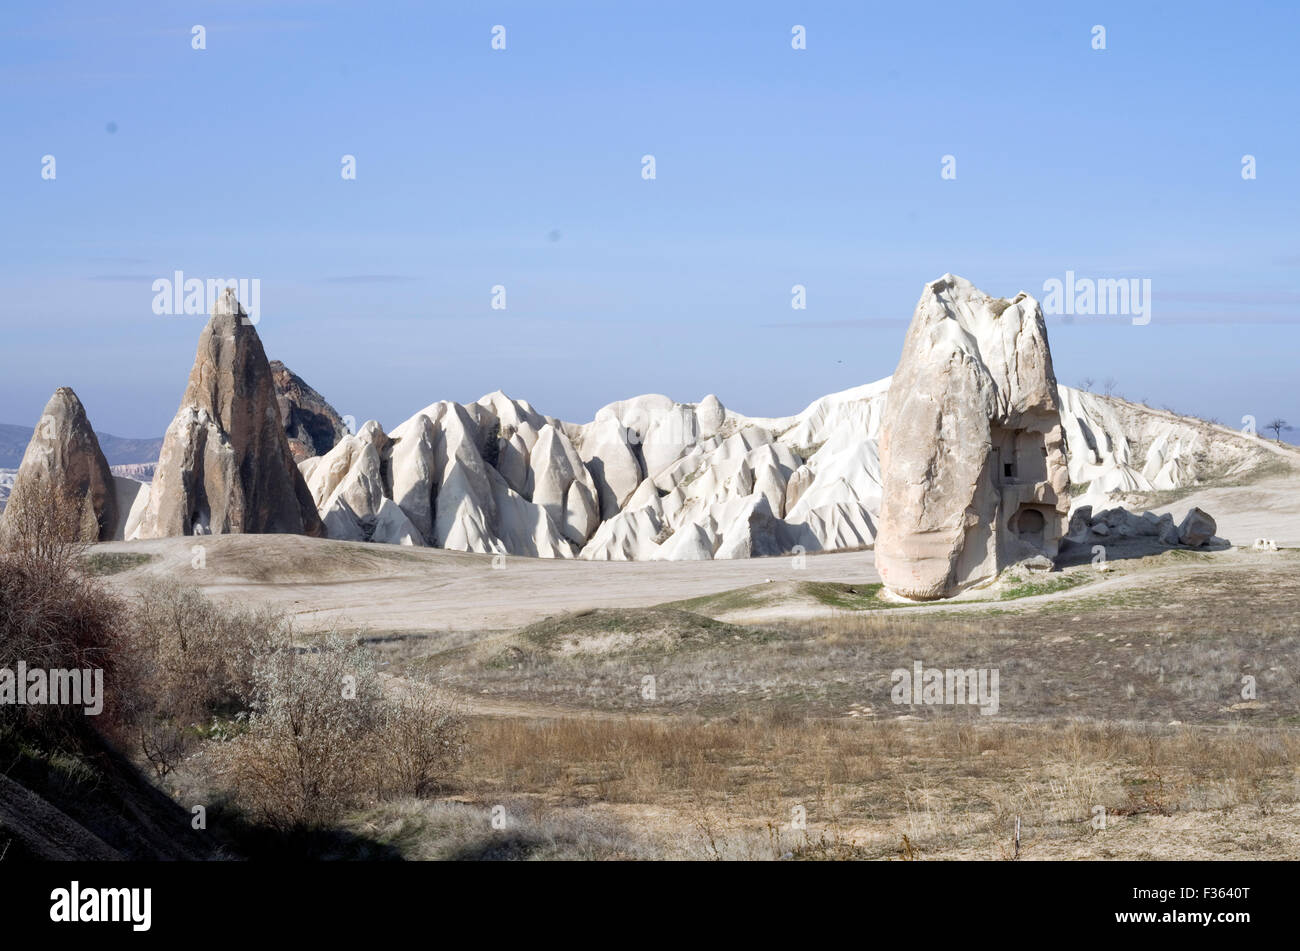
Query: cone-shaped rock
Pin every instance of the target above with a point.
(226, 466)
(312, 425)
(971, 451)
(64, 453)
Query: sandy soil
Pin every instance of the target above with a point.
(1269, 508)
(387, 589)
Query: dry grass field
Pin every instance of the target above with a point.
(746, 709)
(1122, 731)
(770, 733)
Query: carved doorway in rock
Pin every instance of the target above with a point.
(1029, 524)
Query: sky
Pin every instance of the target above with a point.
(990, 140)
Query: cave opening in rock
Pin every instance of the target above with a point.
(1029, 526)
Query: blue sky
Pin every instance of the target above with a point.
(522, 167)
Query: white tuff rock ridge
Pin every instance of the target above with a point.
(646, 478)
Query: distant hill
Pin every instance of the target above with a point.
(13, 443)
(118, 451)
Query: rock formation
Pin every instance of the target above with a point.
(64, 456)
(498, 476)
(226, 466)
(1117, 525)
(971, 452)
(429, 483)
(973, 431)
(560, 483)
(311, 424)
(350, 492)
(136, 471)
(1197, 528)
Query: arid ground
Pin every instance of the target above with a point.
(742, 709)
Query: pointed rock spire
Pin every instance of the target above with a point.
(64, 453)
(226, 466)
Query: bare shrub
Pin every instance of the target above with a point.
(314, 713)
(300, 734)
(52, 615)
(190, 662)
(421, 739)
(46, 529)
(207, 652)
(323, 738)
